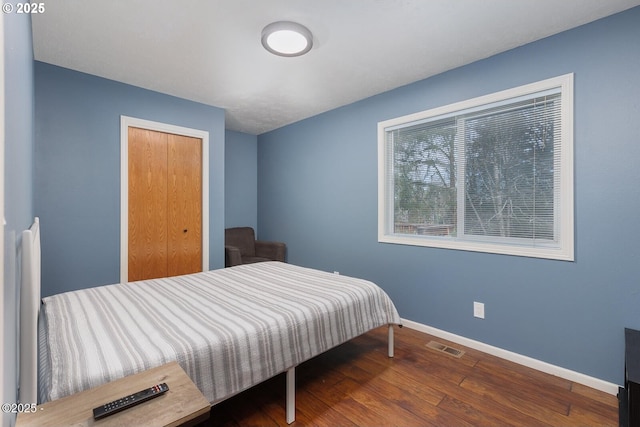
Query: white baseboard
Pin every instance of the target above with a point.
(539, 365)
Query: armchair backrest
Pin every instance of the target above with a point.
(243, 238)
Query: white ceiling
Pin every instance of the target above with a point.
(209, 51)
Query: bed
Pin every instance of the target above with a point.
(229, 329)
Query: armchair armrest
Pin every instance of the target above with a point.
(272, 250)
(232, 256)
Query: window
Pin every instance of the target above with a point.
(491, 174)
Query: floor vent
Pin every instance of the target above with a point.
(445, 349)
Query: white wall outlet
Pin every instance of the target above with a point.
(478, 309)
(336, 272)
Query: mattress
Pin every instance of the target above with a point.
(229, 329)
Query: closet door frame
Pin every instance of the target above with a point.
(127, 122)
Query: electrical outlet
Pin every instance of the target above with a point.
(336, 272)
(478, 309)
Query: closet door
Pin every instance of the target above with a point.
(184, 206)
(165, 204)
(147, 204)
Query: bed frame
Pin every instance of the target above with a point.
(30, 302)
(29, 314)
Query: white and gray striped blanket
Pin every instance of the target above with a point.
(229, 329)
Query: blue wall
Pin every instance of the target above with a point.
(317, 186)
(18, 181)
(77, 176)
(241, 180)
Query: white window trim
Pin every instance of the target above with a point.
(563, 251)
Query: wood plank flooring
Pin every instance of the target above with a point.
(356, 384)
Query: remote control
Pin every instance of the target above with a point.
(129, 401)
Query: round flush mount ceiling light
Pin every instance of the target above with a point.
(286, 38)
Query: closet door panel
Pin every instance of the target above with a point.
(184, 204)
(148, 219)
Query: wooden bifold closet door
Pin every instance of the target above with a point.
(165, 204)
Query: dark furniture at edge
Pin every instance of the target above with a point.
(241, 247)
(629, 396)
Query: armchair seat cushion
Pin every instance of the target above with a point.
(252, 259)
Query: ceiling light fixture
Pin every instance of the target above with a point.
(286, 38)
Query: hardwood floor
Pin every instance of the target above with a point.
(356, 384)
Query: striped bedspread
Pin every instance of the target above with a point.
(229, 329)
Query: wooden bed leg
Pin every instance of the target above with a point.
(291, 395)
(390, 340)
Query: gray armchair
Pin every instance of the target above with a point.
(241, 247)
